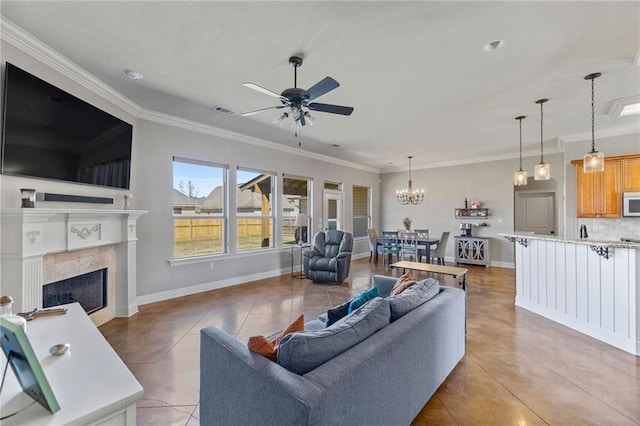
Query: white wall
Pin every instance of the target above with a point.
(157, 144)
(490, 182)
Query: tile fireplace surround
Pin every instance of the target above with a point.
(32, 240)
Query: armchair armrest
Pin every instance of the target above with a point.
(384, 284)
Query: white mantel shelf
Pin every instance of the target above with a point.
(30, 234)
(592, 286)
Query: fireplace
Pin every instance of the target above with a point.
(45, 246)
(90, 290)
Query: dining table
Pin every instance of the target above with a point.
(425, 243)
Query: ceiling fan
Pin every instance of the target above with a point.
(298, 101)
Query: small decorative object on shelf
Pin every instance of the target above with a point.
(475, 204)
(407, 223)
(6, 312)
(127, 201)
(476, 213)
(28, 198)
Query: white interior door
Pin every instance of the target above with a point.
(332, 211)
(536, 212)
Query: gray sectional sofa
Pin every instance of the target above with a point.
(385, 379)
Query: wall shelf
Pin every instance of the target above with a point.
(471, 213)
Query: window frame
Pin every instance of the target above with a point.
(309, 211)
(360, 216)
(223, 216)
(273, 208)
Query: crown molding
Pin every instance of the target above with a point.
(16, 36)
(617, 105)
(581, 137)
(171, 120)
(555, 146)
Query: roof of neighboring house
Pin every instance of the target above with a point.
(247, 200)
(180, 199)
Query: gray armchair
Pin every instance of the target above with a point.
(330, 258)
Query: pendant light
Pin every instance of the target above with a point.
(542, 170)
(594, 160)
(410, 195)
(520, 177)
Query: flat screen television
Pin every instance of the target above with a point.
(50, 134)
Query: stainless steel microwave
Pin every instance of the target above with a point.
(631, 203)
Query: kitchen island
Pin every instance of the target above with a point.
(588, 285)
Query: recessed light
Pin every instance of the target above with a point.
(493, 45)
(132, 75)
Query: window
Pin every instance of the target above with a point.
(336, 186)
(255, 209)
(361, 211)
(296, 196)
(199, 211)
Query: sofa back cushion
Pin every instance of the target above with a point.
(302, 352)
(412, 297)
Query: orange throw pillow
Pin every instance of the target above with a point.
(403, 283)
(269, 348)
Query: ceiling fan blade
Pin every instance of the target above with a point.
(245, 114)
(333, 109)
(325, 85)
(265, 91)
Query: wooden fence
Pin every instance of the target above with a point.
(211, 229)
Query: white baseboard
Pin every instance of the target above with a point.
(214, 285)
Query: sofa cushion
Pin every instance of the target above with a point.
(412, 297)
(302, 352)
(338, 312)
(268, 348)
(363, 298)
(403, 283)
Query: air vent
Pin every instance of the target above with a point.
(223, 110)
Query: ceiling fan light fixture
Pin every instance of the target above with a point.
(593, 160)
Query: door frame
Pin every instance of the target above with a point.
(338, 196)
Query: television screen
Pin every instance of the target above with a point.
(49, 133)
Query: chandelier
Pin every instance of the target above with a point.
(410, 195)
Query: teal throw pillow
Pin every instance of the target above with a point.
(363, 298)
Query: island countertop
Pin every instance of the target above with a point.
(586, 241)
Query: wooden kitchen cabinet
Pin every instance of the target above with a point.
(631, 174)
(599, 195)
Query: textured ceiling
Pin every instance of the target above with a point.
(415, 72)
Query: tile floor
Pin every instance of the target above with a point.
(519, 368)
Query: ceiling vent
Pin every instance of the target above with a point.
(222, 110)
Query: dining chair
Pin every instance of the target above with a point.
(438, 253)
(389, 246)
(408, 245)
(373, 244)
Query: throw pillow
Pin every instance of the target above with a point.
(302, 352)
(363, 298)
(413, 297)
(269, 348)
(337, 312)
(403, 283)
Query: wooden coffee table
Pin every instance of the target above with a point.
(454, 271)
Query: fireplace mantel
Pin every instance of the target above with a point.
(30, 234)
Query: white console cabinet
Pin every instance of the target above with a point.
(91, 383)
(473, 250)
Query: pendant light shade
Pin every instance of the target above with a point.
(594, 160)
(520, 176)
(541, 171)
